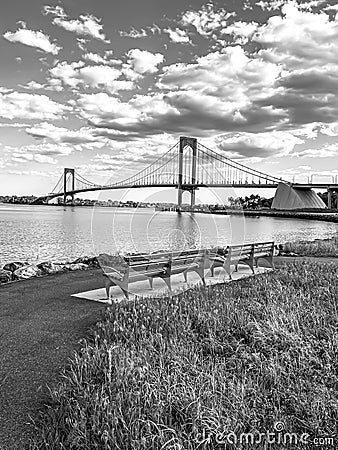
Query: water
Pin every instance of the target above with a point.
(40, 233)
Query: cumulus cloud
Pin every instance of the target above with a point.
(133, 33)
(192, 99)
(241, 31)
(177, 35)
(299, 39)
(33, 85)
(330, 129)
(275, 143)
(142, 32)
(143, 61)
(28, 157)
(206, 21)
(105, 59)
(259, 100)
(273, 5)
(45, 152)
(77, 73)
(280, 91)
(32, 38)
(14, 125)
(325, 151)
(18, 105)
(54, 10)
(85, 25)
(56, 134)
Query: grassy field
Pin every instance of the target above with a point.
(323, 247)
(185, 371)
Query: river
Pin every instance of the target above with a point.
(40, 233)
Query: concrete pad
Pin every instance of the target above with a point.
(142, 288)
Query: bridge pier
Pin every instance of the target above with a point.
(192, 198)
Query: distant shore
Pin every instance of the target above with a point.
(324, 215)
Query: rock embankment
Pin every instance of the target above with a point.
(23, 270)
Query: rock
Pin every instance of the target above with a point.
(78, 266)
(27, 272)
(48, 267)
(5, 276)
(13, 266)
(88, 260)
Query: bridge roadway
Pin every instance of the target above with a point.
(201, 185)
(187, 187)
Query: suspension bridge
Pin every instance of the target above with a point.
(187, 166)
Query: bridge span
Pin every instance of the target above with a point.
(189, 165)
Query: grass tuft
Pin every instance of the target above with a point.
(319, 247)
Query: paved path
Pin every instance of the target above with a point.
(40, 326)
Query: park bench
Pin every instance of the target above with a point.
(248, 254)
(156, 265)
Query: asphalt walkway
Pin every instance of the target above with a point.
(40, 327)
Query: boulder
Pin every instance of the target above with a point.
(90, 261)
(48, 267)
(13, 266)
(78, 266)
(5, 276)
(27, 272)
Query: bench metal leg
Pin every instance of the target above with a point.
(185, 274)
(108, 285)
(151, 282)
(200, 272)
(251, 265)
(124, 288)
(167, 282)
(227, 268)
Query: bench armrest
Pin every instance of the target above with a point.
(110, 271)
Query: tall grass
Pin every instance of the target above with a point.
(319, 247)
(176, 372)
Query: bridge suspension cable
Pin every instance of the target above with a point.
(59, 185)
(234, 174)
(151, 174)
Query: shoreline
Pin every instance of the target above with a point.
(19, 270)
(325, 216)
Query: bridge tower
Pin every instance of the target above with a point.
(192, 143)
(67, 171)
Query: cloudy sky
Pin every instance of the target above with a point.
(107, 87)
